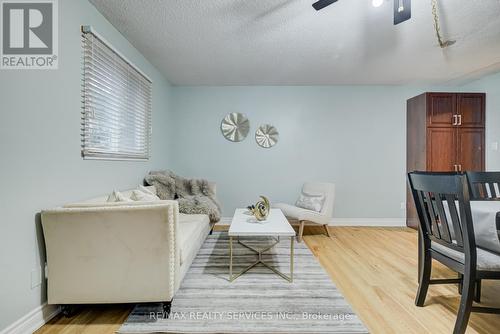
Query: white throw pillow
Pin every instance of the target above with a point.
(310, 202)
(117, 196)
(143, 196)
(147, 190)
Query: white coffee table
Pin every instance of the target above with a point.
(275, 226)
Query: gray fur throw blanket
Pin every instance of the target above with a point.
(195, 196)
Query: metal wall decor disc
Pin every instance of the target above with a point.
(235, 126)
(266, 136)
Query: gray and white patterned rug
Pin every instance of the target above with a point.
(257, 302)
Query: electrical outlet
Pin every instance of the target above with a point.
(402, 206)
(36, 278)
(494, 146)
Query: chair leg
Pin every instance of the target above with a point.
(465, 304)
(327, 230)
(460, 285)
(424, 278)
(477, 293)
(301, 231)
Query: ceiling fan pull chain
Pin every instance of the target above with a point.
(437, 27)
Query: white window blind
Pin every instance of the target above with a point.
(116, 116)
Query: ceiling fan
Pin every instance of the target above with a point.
(402, 9)
(322, 4)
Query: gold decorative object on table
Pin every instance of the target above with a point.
(261, 209)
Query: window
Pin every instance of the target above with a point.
(116, 115)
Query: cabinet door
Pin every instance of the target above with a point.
(441, 149)
(441, 109)
(470, 107)
(470, 142)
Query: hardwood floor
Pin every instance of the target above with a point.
(101, 319)
(375, 269)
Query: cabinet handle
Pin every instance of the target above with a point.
(455, 167)
(459, 168)
(455, 120)
(459, 119)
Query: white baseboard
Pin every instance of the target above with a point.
(374, 222)
(33, 320)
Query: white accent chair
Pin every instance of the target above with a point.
(302, 216)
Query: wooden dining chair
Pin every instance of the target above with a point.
(484, 185)
(447, 235)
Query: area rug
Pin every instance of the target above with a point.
(257, 302)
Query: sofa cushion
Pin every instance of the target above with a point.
(140, 195)
(99, 201)
(117, 196)
(192, 232)
(150, 189)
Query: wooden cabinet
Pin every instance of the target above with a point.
(445, 132)
(470, 149)
(441, 149)
(468, 106)
(441, 109)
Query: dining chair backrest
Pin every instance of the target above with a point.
(484, 185)
(442, 203)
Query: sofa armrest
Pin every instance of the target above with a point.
(112, 254)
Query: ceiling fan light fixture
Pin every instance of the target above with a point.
(401, 7)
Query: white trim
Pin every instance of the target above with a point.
(395, 222)
(33, 320)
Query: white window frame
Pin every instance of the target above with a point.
(116, 103)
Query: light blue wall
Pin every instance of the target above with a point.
(354, 136)
(491, 86)
(40, 163)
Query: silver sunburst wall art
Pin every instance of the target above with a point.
(235, 126)
(266, 136)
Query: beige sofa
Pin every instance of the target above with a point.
(125, 252)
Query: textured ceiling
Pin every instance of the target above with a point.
(286, 42)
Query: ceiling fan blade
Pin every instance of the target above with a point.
(322, 4)
(402, 11)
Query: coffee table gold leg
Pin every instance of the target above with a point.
(291, 258)
(260, 259)
(230, 259)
